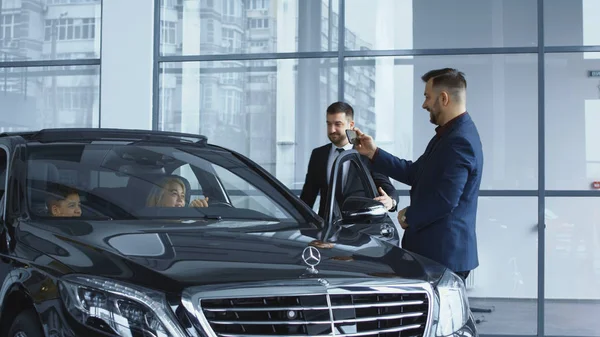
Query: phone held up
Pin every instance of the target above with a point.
(351, 134)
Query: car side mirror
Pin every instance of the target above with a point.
(360, 209)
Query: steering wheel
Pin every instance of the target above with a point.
(219, 204)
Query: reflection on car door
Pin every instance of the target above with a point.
(351, 178)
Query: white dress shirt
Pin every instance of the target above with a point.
(333, 153)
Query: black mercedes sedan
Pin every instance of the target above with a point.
(136, 233)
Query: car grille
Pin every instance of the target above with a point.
(354, 314)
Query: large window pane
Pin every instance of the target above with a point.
(502, 100)
(200, 27)
(506, 279)
(408, 24)
(268, 110)
(572, 22)
(45, 97)
(49, 30)
(572, 266)
(572, 120)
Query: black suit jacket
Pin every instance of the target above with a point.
(316, 179)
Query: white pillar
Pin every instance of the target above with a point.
(394, 97)
(385, 92)
(591, 26)
(127, 63)
(286, 95)
(190, 71)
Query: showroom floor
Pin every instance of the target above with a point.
(519, 317)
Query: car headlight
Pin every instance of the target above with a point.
(453, 304)
(118, 309)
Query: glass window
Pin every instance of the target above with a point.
(572, 267)
(8, 24)
(43, 97)
(187, 172)
(506, 280)
(61, 27)
(572, 138)
(267, 112)
(424, 24)
(134, 181)
(168, 32)
(387, 94)
(571, 22)
(351, 182)
(236, 26)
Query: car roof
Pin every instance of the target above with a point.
(98, 134)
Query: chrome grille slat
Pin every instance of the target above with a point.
(358, 334)
(348, 311)
(377, 332)
(320, 307)
(356, 320)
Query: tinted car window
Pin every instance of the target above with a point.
(124, 181)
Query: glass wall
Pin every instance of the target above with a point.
(257, 76)
(49, 64)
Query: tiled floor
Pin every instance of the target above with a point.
(519, 317)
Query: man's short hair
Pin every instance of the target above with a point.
(338, 107)
(449, 79)
(59, 192)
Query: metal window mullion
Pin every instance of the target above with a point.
(541, 170)
(341, 47)
(156, 65)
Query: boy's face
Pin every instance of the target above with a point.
(69, 207)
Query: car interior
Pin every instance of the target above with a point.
(115, 181)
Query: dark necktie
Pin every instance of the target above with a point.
(339, 150)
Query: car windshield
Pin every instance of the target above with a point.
(128, 181)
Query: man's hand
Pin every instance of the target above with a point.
(384, 199)
(364, 144)
(402, 218)
(199, 202)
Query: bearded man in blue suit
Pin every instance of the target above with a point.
(440, 221)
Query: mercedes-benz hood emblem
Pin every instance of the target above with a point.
(312, 257)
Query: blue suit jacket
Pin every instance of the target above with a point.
(444, 184)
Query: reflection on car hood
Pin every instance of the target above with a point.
(177, 254)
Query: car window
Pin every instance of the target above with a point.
(187, 172)
(107, 179)
(149, 181)
(350, 181)
(244, 195)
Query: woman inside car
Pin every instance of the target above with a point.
(170, 192)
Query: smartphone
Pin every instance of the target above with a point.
(351, 134)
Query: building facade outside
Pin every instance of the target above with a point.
(49, 30)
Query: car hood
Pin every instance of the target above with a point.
(173, 255)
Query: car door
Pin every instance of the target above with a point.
(350, 200)
(9, 145)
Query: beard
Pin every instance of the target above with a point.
(434, 112)
(336, 138)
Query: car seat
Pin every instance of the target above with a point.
(40, 176)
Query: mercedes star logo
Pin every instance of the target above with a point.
(311, 256)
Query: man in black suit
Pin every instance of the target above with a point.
(340, 116)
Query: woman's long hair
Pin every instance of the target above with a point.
(158, 190)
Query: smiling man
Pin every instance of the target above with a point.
(340, 117)
(439, 223)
